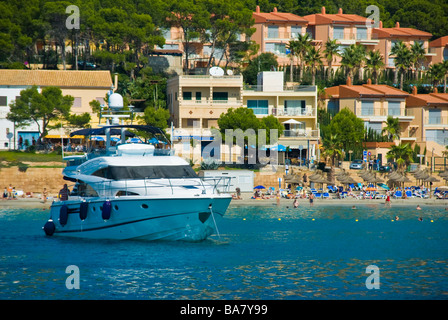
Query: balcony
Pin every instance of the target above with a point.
(294, 112)
(291, 88)
(352, 37)
(209, 102)
(402, 114)
(436, 121)
(305, 133)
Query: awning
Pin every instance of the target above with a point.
(64, 136)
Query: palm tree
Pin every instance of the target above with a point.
(402, 59)
(330, 52)
(292, 46)
(374, 63)
(392, 128)
(302, 46)
(402, 154)
(445, 66)
(436, 72)
(418, 56)
(352, 58)
(313, 59)
(332, 147)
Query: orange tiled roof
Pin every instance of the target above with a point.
(274, 16)
(418, 100)
(365, 90)
(441, 42)
(58, 78)
(399, 32)
(318, 19)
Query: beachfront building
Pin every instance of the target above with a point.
(346, 29)
(196, 102)
(275, 29)
(439, 48)
(430, 125)
(84, 86)
(388, 37)
(295, 107)
(373, 104)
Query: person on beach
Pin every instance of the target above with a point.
(311, 199)
(418, 207)
(44, 195)
(388, 198)
(397, 218)
(5, 194)
(296, 203)
(63, 193)
(9, 189)
(420, 219)
(305, 179)
(278, 197)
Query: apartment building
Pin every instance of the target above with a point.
(430, 125)
(84, 86)
(275, 29)
(439, 48)
(196, 102)
(388, 37)
(346, 29)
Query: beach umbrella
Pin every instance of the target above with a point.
(115, 139)
(134, 140)
(97, 138)
(431, 179)
(279, 147)
(443, 188)
(259, 187)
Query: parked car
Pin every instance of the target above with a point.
(385, 168)
(356, 164)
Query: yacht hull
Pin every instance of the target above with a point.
(122, 218)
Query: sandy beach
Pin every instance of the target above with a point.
(247, 201)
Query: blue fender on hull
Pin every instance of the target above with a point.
(83, 209)
(49, 228)
(63, 215)
(107, 209)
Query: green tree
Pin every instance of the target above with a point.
(40, 108)
(436, 73)
(352, 59)
(302, 45)
(332, 147)
(313, 59)
(392, 128)
(403, 59)
(263, 62)
(417, 56)
(330, 52)
(348, 128)
(401, 154)
(374, 63)
(271, 122)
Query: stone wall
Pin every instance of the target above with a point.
(33, 179)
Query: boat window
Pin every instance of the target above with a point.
(147, 172)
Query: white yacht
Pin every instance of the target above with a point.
(133, 190)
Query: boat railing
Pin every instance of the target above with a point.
(128, 187)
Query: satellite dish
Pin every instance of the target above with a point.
(216, 72)
(229, 72)
(115, 101)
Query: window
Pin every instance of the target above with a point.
(434, 116)
(361, 33)
(295, 31)
(338, 32)
(3, 101)
(375, 126)
(276, 48)
(223, 96)
(100, 100)
(146, 172)
(445, 54)
(394, 108)
(198, 95)
(186, 95)
(295, 107)
(258, 106)
(367, 108)
(77, 102)
(439, 136)
(272, 31)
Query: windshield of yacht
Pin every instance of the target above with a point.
(146, 172)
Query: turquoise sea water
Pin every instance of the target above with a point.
(261, 253)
